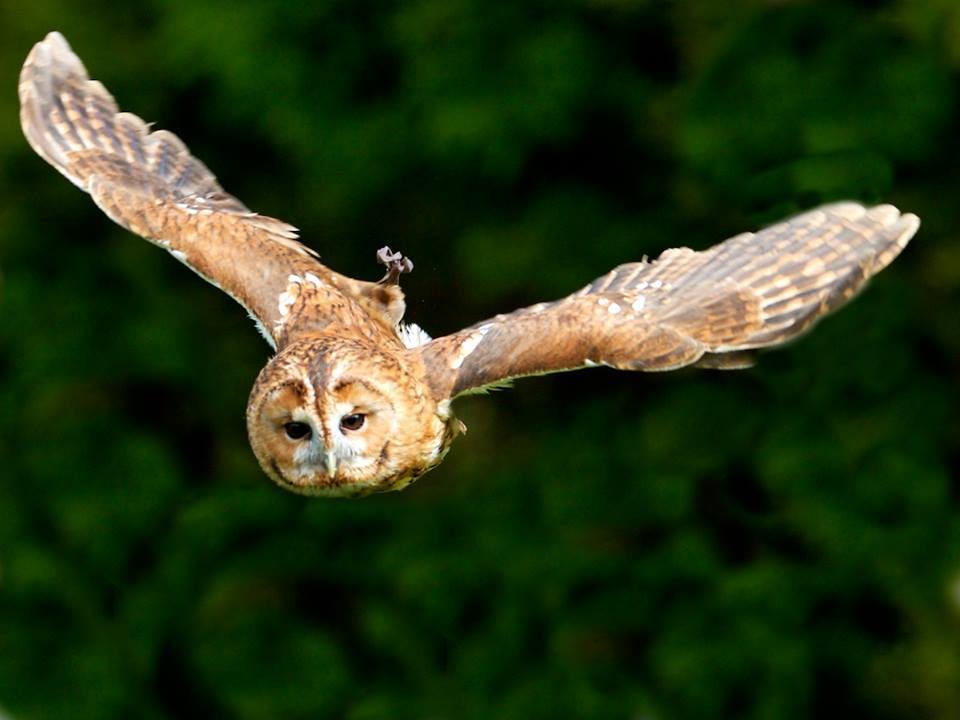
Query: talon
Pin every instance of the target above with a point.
(396, 265)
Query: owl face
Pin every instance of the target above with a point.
(342, 419)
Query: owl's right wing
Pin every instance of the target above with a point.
(149, 183)
(707, 308)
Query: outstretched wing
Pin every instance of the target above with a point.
(150, 184)
(709, 308)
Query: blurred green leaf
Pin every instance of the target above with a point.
(776, 543)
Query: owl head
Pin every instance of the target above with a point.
(338, 418)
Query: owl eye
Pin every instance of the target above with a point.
(352, 422)
(296, 430)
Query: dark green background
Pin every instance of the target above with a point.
(782, 542)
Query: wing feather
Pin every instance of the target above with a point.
(754, 290)
(149, 183)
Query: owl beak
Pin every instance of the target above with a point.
(330, 462)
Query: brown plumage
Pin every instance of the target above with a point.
(354, 401)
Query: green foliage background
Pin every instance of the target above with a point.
(777, 543)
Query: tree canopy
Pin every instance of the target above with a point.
(770, 544)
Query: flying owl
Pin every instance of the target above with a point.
(354, 401)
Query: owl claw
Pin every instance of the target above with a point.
(396, 265)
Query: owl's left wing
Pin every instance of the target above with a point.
(685, 308)
(149, 183)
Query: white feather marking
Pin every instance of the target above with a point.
(639, 303)
(179, 255)
(468, 346)
(284, 302)
(443, 409)
(814, 266)
(263, 331)
(603, 301)
(287, 298)
(412, 335)
(613, 309)
(310, 277)
(187, 208)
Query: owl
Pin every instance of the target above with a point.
(355, 401)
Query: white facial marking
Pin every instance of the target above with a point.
(307, 452)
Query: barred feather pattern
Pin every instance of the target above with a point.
(709, 308)
(149, 183)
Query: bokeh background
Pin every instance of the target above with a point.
(777, 543)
